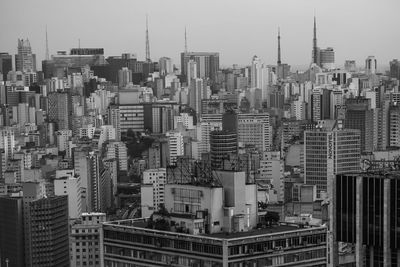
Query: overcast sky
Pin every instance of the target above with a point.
(236, 29)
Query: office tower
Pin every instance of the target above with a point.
(359, 115)
(60, 110)
(117, 150)
(370, 65)
(152, 190)
(165, 65)
(114, 120)
(328, 152)
(25, 61)
(11, 232)
(207, 65)
(198, 90)
(47, 232)
(365, 217)
(394, 125)
(260, 77)
(68, 184)
(223, 145)
(175, 146)
(86, 248)
(7, 142)
(99, 187)
(208, 123)
(271, 175)
(124, 77)
(5, 64)
(327, 58)
(254, 129)
(350, 66)
(315, 50)
(298, 110)
(191, 71)
(394, 69)
(320, 104)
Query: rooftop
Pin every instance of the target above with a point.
(276, 229)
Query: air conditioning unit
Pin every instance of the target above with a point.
(251, 251)
(266, 249)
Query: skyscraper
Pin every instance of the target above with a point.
(60, 110)
(25, 61)
(394, 69)
(165, 64)
(366, 216)
(328, 152)
(207, 64)
(5, 64)
(359, 115)
(370, 65)
(327, 58)
(47, 232)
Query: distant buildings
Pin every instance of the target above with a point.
(25, 61)
(207, 65)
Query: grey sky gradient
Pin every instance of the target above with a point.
(237, 29)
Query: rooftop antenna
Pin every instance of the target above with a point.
(279, 46)
(147, 41)
(186, 50)
(47, 46)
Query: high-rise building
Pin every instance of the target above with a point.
(320, 104)
(152, 190)
(370, 65)
(254, 129)
(359, 115)
(327, 58)
(394, 69)
(68, 184)
(60, 110)
(117, 150)
(124, 77)
(350, 65)
(25, 61)
(165, 65)
(223, 145)
(191, 72)
(47, 232)
(86, 248)
(260, 77)
(328, 152)
(365, 217)
(5, 64)
(175, 145)
(394, 125)
(207, 64)
(11, 232)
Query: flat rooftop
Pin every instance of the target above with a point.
(275, 229)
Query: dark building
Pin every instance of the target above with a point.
(395, 69)
(16, 97)
(11, 232)
(223, 144)
(47, 232)
(359, 115)
(5, 64)
(366, 215)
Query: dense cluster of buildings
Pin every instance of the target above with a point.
(112, 161)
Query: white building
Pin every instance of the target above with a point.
(118, 150)
(255, 129)
(185, 119)
(152, 190)
(67, 184)
(63, 137)
(175, 145)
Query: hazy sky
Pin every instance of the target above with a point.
(237, 29)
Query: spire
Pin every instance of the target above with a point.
(47, 46)
(185, 41)
(315, 48)
(279, 46)
(147, 41)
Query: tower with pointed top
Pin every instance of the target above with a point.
(279, 47)
(147, 41)
(186, 50)
(315, 52)
(47, 46)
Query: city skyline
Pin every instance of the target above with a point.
(356, 32)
